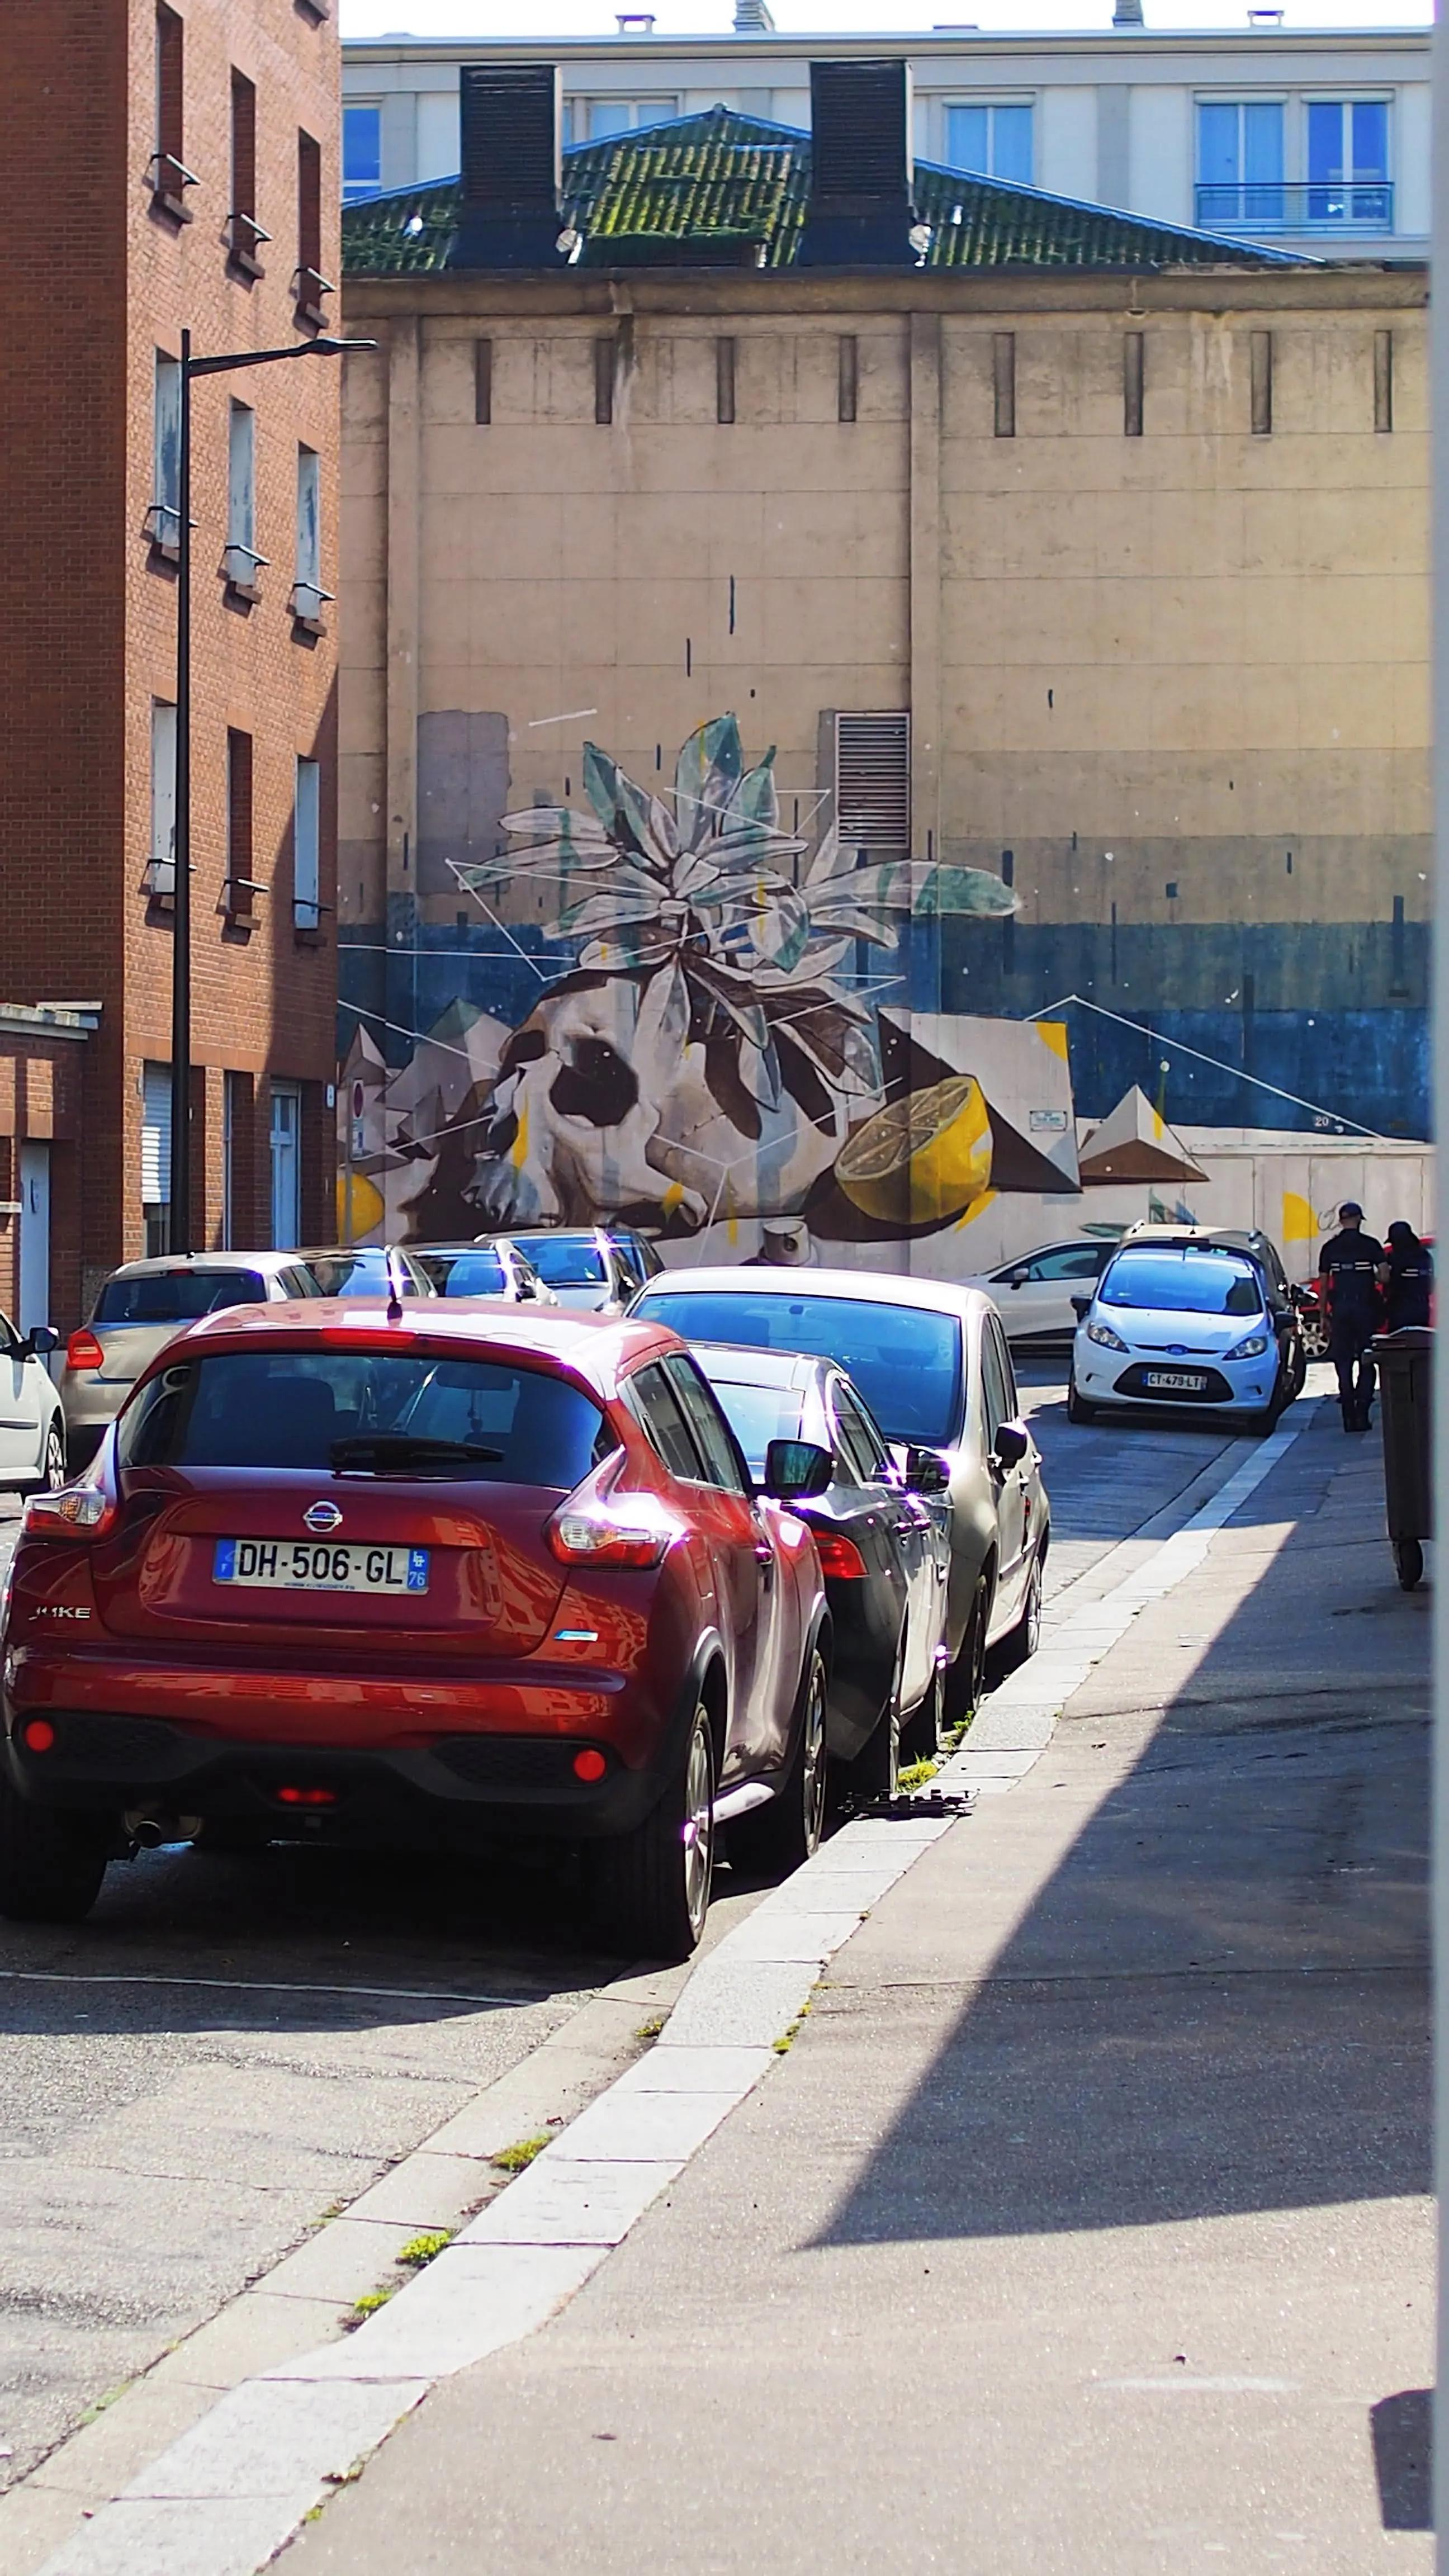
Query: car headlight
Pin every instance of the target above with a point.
(1252, 1349)
(1104, 1334)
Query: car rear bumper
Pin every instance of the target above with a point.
(428, 1795)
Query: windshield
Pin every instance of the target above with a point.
(905, 1360)
(1194, 1283)
(565, 1260)
(370, 1412)
(353, 1274)
(757, 1415)
(464, 1274)
(176, 1296)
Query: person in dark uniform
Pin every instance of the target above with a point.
(1348, 1280)
(1406, 1276)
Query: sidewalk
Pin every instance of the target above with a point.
(1084, 2226)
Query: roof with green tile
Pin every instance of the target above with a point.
(711, 187)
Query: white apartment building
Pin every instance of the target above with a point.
(1315, 139)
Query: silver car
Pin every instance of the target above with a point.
(933, 1366)
(139, 1309)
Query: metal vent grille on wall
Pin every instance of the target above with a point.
(873, 782)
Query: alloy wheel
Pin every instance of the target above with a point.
(697, 1828)
(52, 1473)
(812, 1759)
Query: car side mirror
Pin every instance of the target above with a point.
(1081, 1308)
(926, 1472)
(1016, 1279)
(40, 1341)
(795, 1470)
(1011, 1444)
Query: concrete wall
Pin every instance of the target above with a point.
(1173, 686)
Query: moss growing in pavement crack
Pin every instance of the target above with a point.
(916, 1774)
(522, 2152)
(651, 2029)
(367, 2306)
(421, 2249)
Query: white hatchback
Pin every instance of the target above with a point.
(1187, 1326)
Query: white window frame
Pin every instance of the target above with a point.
(241, 562)
(1343, 98)
(307, 846)
(990, 101)
(155, 1179)
(161, 863)
(579, 111)
(284, 1143)
(308, 596)
(163, 519)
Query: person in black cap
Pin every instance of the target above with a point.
(1406, 1277)
(1348, 1280)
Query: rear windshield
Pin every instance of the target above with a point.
(905, 1360)
(757, 1415)
(367, 1413)
(176, 1296)
(351, 1274)
(565, 1260)
(464, 1274)
(1196, 1283)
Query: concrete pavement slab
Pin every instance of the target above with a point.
(471, 2301)
(565, 2202)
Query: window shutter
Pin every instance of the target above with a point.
(873, 782)
(156, 1135)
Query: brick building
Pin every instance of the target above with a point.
(194, 157)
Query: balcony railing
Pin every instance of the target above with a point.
(1296, 205)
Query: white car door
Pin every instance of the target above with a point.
(24, 1405)
(1035, 1296)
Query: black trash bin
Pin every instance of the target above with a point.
(1406, 1380)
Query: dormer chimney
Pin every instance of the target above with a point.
(508, 215)
(859, 212)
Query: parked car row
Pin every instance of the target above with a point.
(356, 1560)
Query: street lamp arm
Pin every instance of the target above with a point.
(322, 347)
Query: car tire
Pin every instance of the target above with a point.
(876, 1769)
(51, 1863)
(1021, 1641)
(53, 1470)
(1078, 1410)
(966, 1673)
(921, 1731)
(651, 1887)
(770, 1841)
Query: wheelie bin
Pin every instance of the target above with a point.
(1406, 1382)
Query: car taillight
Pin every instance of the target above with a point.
(840, 1559)
(598, 1536)
(83, 1351)
(77, 1511)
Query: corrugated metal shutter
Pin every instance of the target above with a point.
(873, 782)
(156, 1135)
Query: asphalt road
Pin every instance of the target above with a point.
(229, 2048)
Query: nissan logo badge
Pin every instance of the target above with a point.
(322, 1516)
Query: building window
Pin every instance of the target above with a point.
(593, 120)
(483, 382)
(604, 381)
(286, 1145)
(724, 380)
(163, 519)
(1348, 162)
(308, 595)
(992, 138)
(361, 153)
(169, 175)
(240, 901)
(1003, 382)
(156, 1157)
(161, 865)
(1260, 383)
(311, 285)
(1383, 380)
(1240, 162)
(243, 233)
(241, 562)
(873, 783)
(848, 377)
(307, 848)
(1132, 374)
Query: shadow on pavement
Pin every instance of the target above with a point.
(1401, 2429)
(1219, 2003)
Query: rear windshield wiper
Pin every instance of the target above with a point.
(404, 1453)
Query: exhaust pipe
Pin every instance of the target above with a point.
(147, 1832)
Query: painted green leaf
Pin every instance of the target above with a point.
(706, 774)
(757, 797)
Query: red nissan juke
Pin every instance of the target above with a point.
(415, 1576)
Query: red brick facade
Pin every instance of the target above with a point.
(102, 276)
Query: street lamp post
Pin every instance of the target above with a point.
(179, 1231)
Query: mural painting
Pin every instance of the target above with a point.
(726, 1040)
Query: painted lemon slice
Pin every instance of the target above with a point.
(920, 1160)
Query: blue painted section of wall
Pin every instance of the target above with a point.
(1334, 1012)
